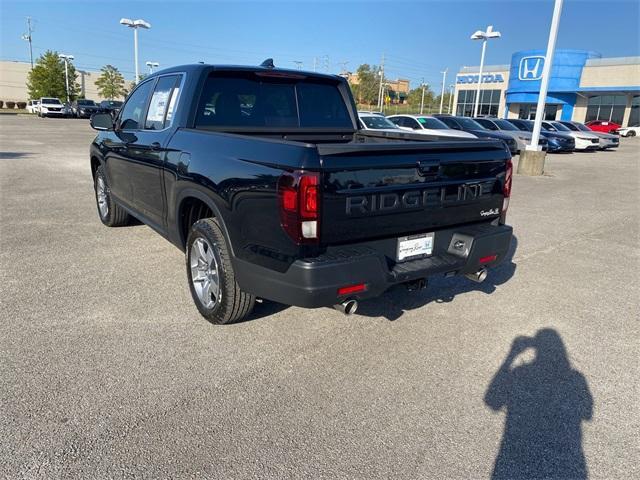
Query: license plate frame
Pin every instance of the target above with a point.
(412, 247)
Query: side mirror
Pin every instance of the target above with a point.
(101, 121)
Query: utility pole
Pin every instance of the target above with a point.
(315, 63)
(27, 37)
(326, 63)
(422, 99)
(343, 66)
(298, 64)
(380, 89)
(450, 98)
(444, 79)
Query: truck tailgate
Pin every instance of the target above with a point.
(377, 190)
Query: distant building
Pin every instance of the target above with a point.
(396, 90)
(13, 82)
(583, 86)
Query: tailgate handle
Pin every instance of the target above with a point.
(428, 168)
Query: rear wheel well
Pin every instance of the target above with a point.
(191, 210)
(95, 163)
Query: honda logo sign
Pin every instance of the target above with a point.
(531, 67)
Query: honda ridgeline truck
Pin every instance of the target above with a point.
(264, 179)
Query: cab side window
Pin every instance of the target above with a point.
(132, 115)
(162, 103)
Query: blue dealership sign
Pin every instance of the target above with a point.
(531, 67)
(526, 70)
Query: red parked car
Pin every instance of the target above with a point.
(602, 126)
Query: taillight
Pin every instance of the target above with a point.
(506, 189)
(508, 177)
(299, 195)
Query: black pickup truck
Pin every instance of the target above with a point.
(262, 177)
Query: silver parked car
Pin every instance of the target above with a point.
(607, 140)
(503, 126)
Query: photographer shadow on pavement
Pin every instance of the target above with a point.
(397, 300)
(545, 402)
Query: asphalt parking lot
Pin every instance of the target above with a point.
(108, 371)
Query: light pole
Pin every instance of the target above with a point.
(66, 59)
(444, 80)
(450, 98)
(484, 36)
(424, 86)
(546, 72)
(151, 66)
(135, 24)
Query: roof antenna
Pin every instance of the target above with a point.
(268, 63)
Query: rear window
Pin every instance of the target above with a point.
(253, 101)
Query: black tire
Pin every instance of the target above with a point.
(115, 215)
(631, 133)
(232, 304)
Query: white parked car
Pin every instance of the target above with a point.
(427, 125)
(630, 131)
(607, 140)
(32, 106)
(50, 107)
(584, 140)
(373, 121)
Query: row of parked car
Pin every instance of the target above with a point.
(81, 108)
(556, 136)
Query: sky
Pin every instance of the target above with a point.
(418, 39)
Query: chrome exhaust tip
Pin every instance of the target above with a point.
(479, 276)
(348, 307)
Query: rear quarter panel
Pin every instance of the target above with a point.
(238, 176)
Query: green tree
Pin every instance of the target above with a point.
(47, 79)
(367, 88)
(110, 83)
(415, 97)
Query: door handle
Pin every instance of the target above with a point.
(155, 146)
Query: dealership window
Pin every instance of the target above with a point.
(609, 108)
(527, 111)
(489, 102)
(634, 115)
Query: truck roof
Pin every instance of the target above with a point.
(200, 67)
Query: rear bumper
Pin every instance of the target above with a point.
(314, 282)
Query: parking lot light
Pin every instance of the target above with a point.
(546, 72)
(151, 66)
(66, 59)
(484, 36)
(135, 24)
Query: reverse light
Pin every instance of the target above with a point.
(299, 196)
(350, 289)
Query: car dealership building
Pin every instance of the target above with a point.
(583, 87)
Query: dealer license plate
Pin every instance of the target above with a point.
(415, 246)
